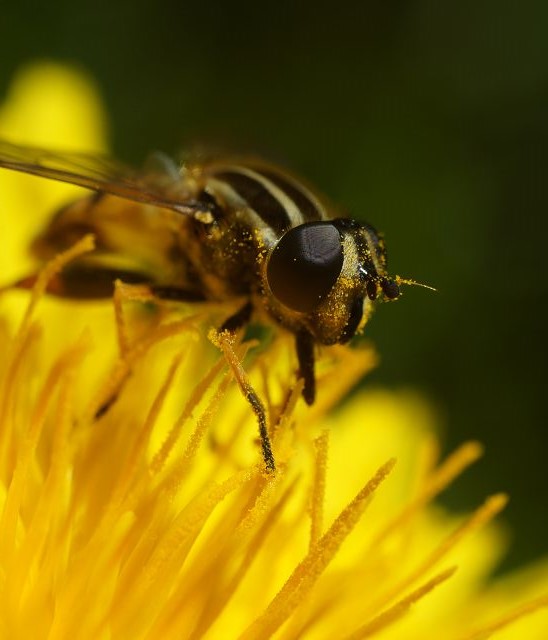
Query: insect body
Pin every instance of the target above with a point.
(217, 230)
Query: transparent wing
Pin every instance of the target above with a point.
(103, 174)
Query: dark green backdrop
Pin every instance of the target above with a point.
(428, 118)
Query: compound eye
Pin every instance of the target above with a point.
(305, 264)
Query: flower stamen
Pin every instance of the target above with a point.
(307, 572)
(525, 609)
(396, 611)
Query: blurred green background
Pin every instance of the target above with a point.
(427, 118)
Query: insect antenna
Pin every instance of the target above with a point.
(413, 283)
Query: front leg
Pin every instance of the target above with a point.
(231, 325)
(305, 355)
(304, 345)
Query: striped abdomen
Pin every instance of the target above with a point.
(266, 198)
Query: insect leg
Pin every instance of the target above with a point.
(259, 410)
(305, 355)
(232, 324)
(83, 282)
(105, 407)
(176, 294)
(224, 342)
(237, 320)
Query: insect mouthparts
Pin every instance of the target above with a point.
(390, 288)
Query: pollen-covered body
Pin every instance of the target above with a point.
(216, 230)
(143, 243)
(219, 255)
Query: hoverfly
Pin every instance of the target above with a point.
(217, 230)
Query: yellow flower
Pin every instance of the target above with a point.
(133, 500)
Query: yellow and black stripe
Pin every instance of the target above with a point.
(273, 200)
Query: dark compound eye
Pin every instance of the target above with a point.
(305, 265)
